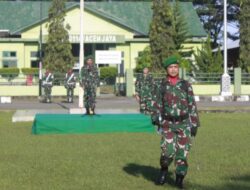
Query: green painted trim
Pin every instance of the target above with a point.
(4, 40)
(197, 39)
(138, 40)
(97, 38)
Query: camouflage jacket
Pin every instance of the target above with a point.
(70, 80)
(176, 101)
(89, 75)
(47, 79)
(143, 85)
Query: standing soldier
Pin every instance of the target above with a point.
(89, 81)
(70, 84)
(177, 108)
(47, 83)
(143, 91)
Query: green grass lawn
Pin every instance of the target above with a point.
(219, 159)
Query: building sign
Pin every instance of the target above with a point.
(108, 57)
(95, 38)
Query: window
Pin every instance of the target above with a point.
(35, 64)
(34, 54)
(9, 59)
(34, 58)
(9, 63)
(9, 54)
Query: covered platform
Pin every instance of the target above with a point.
(79, 123)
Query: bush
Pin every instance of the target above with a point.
(30, 71)
(10, 72)
(108, 74)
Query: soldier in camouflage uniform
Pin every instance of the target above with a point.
(90, 81)
(70, 84)
(47, 83)
(143, 91)
(176, 106)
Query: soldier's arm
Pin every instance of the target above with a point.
(137, 86)
(82, 75)
(192, 108)
(51, 79)
(97, 77)
(157, 101)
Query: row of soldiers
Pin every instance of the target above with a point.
(172, 107)
(69, 84)
(89, 81)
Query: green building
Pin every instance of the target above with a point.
(122, 26)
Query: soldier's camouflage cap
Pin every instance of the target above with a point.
(170, 60)
(88, 57)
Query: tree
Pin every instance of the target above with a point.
(245, 36)
(180, 26)
(143, 60)
(211, 15)
(161, 33)
(207, 61)
(58, 55)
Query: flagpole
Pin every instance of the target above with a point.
(225, 79)
(81, 54)
(40, 53)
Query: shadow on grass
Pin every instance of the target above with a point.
(231, 183)
(151, 174)
(240, 182)
(148, 172)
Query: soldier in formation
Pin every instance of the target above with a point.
(70, 84)
(143, 91)
(89, 79)
(176, 115)
(47, 84)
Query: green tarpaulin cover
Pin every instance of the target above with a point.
(78, 123)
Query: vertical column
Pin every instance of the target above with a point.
(237, 81)
(183, 73)
(180, 73)
(129, 82)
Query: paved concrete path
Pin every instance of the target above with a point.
(26, 108)
(104, 102)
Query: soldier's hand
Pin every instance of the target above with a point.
(137, 97)
(155, 120)
(194, 131)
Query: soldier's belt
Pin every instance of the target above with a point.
(176, 119)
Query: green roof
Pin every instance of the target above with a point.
(135, 16)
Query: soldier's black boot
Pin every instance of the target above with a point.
(179, 181)
(163, 176)
(87, 111)
(164, 162)
(93, 110)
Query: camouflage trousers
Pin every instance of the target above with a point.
(47, 93)
(70, 94)
(175, 145)
(145, 105)
(89, 97)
